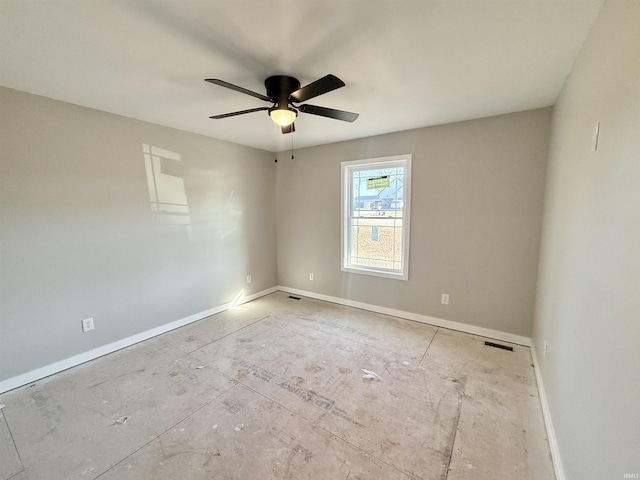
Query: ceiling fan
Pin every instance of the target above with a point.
(284, 92)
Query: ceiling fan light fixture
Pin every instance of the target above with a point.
(283, 116)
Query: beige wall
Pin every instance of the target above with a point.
(78, 238)
(477, 190)
(588, 307)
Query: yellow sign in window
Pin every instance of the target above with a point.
(378, 182)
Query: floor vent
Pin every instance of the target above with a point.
(497, 345)
(294, 298)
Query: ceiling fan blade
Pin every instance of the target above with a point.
(289, 128)
(329, 112)
(241, 112)
(323, 85)
(222, 83)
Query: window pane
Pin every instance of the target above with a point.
(377, 242)
(376, 191)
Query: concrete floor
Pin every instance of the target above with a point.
(275, 389)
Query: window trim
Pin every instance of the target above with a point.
(347, 169)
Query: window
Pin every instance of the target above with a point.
(376, 197)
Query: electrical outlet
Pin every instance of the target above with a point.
(444, 300)
(248, 279)
(311, 276)
(87, 325)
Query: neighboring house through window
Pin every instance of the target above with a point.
(376, 201)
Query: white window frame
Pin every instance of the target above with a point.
(347, 210)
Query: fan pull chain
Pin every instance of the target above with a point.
(292, 146)
(275, 142)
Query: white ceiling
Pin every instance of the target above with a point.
(406, 63)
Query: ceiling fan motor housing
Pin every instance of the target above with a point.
(281, 86)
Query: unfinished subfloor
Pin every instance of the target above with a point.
(276, 389)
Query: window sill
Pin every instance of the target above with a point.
(377, 273)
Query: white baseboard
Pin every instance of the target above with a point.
(438, 322)
(546, 413)
(39, 373)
